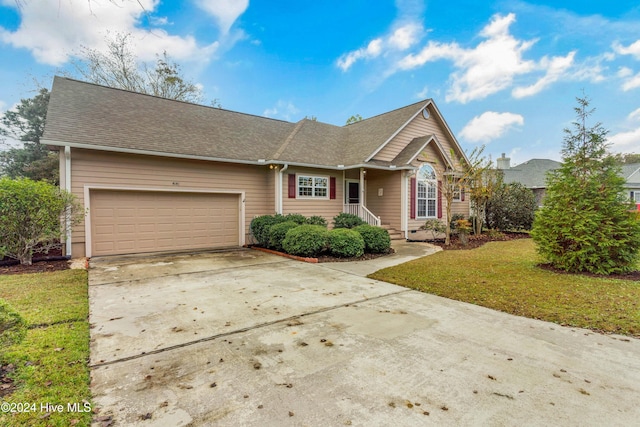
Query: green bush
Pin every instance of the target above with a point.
(454, 220)
(376, 239)
(278, 232)
(511, 207)
(306, 240)
(345, 243)
(345, 220)
(34, 215)
(261, 225)
(13, 328)
(297, 218)
(316, 220)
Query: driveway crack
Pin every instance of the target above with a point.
(248, 328)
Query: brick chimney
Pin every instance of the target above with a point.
(503, 162)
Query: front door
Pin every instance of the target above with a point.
(353, 192)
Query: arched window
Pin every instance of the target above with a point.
(427, 192)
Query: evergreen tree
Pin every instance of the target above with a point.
(586, 224)
(26, 123)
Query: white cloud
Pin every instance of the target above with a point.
(633, 49)
(486, 69)
(628, 140)
(556, 68)
(400, 39)
(490, 125)
(624, 72)
(226, 12)
(283, 109)
(53, 30)
(373, 49)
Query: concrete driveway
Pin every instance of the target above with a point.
(247, 338)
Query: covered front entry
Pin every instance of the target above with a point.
(127, 222)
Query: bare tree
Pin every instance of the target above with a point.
(118, 67)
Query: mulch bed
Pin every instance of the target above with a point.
(634, 275)
(42, 263)
(477, 241)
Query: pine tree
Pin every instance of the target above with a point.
(586, 224)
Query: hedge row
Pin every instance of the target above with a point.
(297, 235)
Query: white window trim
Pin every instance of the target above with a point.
(313, 178)
(435, 199)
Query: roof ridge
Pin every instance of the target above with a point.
(388, 112)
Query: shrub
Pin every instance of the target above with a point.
(316, 220)
(511, 207)
(261, 225)
(278, 232)
(435, 226)
(34, 215)
(297, 218)
(376, 239)
(306, 240)
(454, 220)
(13, 328)
(346, 243)
(345, 220)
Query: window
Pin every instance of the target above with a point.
(635, 196)
(426, 194)
(313, 186)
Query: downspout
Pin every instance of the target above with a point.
(280, 184)
(404, 201)
(67, 187)
(361, 189)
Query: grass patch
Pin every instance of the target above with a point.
(503, 276)
(52, 362)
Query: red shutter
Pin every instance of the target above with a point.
(292, 185)
(439, 199)
(413, 198)
(332, 187)
(462, 194)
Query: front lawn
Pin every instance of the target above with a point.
(504, 276)
(51, 365)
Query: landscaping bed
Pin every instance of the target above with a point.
(475, 241)
(42, 262)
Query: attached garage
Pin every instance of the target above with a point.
(129, 222)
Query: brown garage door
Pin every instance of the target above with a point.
(126, 222)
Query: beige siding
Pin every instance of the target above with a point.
(129, 170)
(419, 126)
(325, 208)
(386, 206)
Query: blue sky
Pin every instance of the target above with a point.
(503, 73)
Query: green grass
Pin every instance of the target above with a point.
(52, 362)
(503, 276)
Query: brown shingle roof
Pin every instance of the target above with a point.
(85, 114)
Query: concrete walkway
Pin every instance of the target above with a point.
(251, 339)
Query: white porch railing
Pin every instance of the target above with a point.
(364, 213)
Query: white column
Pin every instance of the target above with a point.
(67, 187)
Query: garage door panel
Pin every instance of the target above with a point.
(144, 221)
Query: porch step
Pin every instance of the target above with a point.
(393, 233)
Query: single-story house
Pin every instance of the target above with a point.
(631, 174)
(156, 174)
(532, 174)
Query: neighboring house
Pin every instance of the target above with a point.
(532, 174)
(631, 174)
(157, 175)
